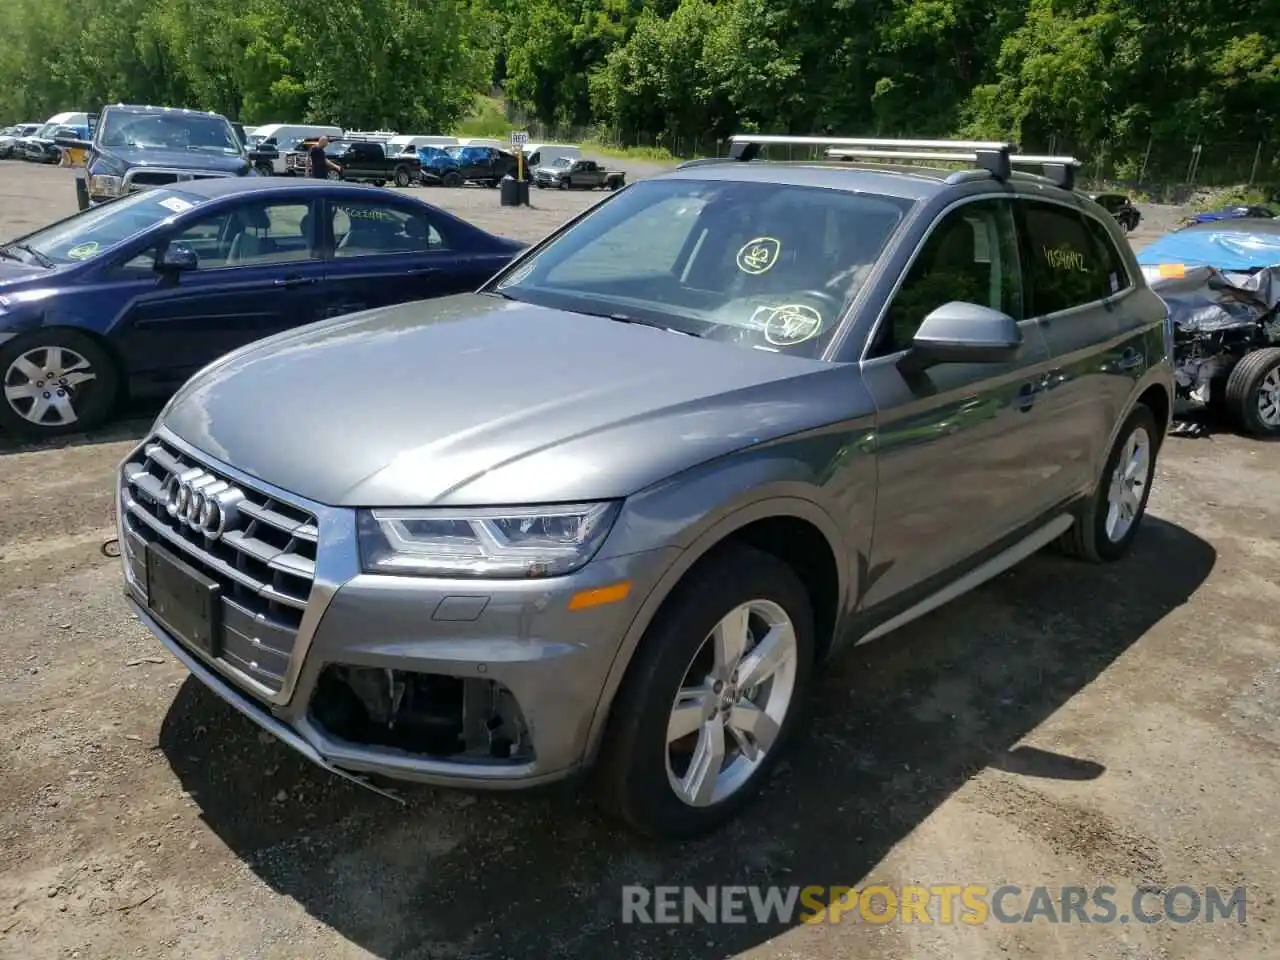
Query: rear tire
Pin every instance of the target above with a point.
(1101, 533)
(87, 382)
(642, 768)
(1253, 392)
(452, 179)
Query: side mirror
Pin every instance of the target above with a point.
(959, 332)
(176, 258)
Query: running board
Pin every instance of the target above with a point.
(975, 577)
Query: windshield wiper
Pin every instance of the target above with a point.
(641, 322)
(10, 255)
(35, 255)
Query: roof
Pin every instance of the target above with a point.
(144, 108)
(213, 187)
(1241, 244)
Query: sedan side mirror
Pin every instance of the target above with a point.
(959, 332)
(176, 258)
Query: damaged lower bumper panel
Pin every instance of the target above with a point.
(384, 711)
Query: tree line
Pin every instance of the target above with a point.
(1084, 73)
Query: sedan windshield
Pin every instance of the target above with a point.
(170, 131)
(762, 265)
(96, 230)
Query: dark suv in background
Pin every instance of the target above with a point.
(136, 147)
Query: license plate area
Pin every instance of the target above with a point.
(184, 600)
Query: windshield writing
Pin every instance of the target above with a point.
(767, 266)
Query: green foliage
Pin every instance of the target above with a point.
(1100, 78)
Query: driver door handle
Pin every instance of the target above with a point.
(291, 282)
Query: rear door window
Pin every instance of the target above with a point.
(1065, 265)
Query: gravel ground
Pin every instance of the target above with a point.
(1063, 725)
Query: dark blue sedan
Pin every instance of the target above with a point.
(133, 296)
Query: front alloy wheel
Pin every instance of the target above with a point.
(54, 383)
(736, 693)
(711, 697)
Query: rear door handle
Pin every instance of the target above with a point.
(294, 282)
(423, 271)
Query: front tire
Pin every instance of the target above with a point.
(402, 177)
(1106, 525)
(452, 179)
(714, 693)
(1253, 392)
(55, 381)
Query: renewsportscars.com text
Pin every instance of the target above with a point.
(970, 904)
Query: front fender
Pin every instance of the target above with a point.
(702, 508)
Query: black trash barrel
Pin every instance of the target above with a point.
(513, 192)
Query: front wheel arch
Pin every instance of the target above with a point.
(749, 524)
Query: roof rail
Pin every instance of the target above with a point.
(998, 157)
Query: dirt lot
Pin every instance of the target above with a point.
(1064, 725)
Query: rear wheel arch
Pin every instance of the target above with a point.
(797, 531)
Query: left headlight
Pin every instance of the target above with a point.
(504, 542)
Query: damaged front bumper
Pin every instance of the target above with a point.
(490, 684)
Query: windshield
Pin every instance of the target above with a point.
(46, 131)
(560, 163)
(170, 131)
(762, 265)
(98, 229)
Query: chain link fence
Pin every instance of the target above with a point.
(1166, 170)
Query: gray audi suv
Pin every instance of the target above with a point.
(612, 511)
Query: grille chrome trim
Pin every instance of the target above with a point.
(335, 563)
(129, 183)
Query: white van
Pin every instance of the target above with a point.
(544, 154)
(284, 135)
(484, 142)
(410, 145)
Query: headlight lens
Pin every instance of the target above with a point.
(505, 542)
(105, 185)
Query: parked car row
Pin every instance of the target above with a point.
(37, 142)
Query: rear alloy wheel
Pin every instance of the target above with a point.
(711, 697)
(402, 177)
(55, 382)
(1253, 392)
(1107, 523)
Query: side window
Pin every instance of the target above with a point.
(971, 255)
(1118, 278)
(250, 235)
(1066, 268)
(368, 228)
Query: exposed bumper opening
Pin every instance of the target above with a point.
(428, 714)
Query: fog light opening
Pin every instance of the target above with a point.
(433, 715)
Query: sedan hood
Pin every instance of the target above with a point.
(179, 159)
(473, 400)
(14, 274)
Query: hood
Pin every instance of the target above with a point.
(473, 400)
(14, 275)
(550, 170)
(179, 159)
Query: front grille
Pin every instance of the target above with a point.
(264, 562)
(147, 179)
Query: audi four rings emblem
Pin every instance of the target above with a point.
(205, 503)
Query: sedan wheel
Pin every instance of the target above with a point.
(1253, 392)
(711, 696)
(63, 384)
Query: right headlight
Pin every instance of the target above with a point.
(499, 542)
(105, 185)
